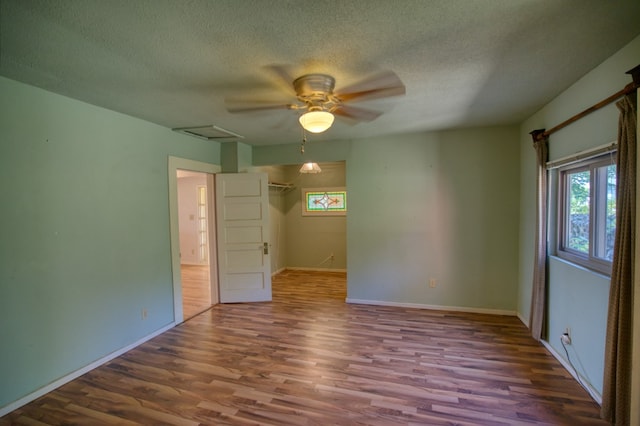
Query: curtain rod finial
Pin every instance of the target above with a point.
(635, 74)
(537, 135)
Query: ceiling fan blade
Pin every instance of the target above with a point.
(285, 78)
(356, 113)
(234, 105)
(379, 86)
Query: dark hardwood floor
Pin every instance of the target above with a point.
(307, 358)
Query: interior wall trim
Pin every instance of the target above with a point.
(75, 374)
(587, 386)
(524, 321)
(295, 268)
(433, 307)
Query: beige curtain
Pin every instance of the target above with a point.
(539, 291)
(617, 369)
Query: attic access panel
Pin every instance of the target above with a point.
(209, 132)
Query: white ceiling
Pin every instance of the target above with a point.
(172, 62)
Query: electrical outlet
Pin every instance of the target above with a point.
(144, 313)
(331, 256)
(566, 336)
(432, 283)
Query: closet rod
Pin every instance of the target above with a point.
(629, 88)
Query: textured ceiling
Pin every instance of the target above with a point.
(463, 62)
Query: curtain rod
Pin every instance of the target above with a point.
(629, 88)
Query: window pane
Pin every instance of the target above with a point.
(578, 211)
(610, 224)
(587, 221)
(326, 201)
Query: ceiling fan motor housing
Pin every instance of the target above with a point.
(316, 90)
(311, 84)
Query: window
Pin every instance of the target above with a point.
(324, 202)
(203, 249)
(587, 222)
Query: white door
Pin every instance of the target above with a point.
(244, 266)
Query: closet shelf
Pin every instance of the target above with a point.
(280, 187)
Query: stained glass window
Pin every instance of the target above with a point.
(324, 201)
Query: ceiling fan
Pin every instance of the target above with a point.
(316, 100)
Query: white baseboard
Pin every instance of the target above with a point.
(74, 375)
(432, 307)
(524, 321)
(295, 268)
(278, 271)
(593, 392)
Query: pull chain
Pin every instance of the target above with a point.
(304, 141)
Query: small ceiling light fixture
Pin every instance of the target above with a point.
(310, 168)
(316, 121)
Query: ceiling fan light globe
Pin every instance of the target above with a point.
(316, 121)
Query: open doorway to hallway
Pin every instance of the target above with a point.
(194, 228)
(196, 294)
(184, 168)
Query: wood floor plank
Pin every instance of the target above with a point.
(196, 289)
(307, 358)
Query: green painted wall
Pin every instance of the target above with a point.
(318, 151)
(577, 297)
(235, 157)
(85, 233)
(440, 205)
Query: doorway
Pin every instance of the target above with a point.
(306, 245)
(192, 229)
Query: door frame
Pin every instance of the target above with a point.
(175, 164)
